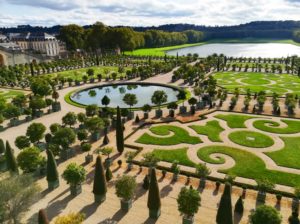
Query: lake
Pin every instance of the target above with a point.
(264, 50)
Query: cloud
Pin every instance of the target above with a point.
(145, 12)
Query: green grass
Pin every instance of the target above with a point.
(212, 129)
(79, 73)
(179, 135)
(273, 127)
(289, 156)
(257, 140)
(256, 81)
(234, 120)
(159, 51)
(247, 165)
(174, 154)
(8, 94)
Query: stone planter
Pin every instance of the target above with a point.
(41, 145)
(95, 136)
(99, 198)
(81, 126)
(92, 80)
(53, 184)
(1, 128)
(193, 110)
(146, 115)
(49, 111)
(261, 196)
(88, 158)
(129, 166)
(187, 219)
(60, 87)
(154, 214)
(77, 83)
(295, 204)
(28, 118)
(126, 205)
(3, 164)
(107, 162)
(66, 154)
(175, 177)
(182, 109)
(130, 115)
(14, 122)
(56, 106)
(75, 189)
(39, 113)
(158, 113)
(171, 113)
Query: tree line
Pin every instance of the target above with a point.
(100, 36)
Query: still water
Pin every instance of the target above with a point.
(116, 94)
(264, 50)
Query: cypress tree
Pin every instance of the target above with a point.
(153, 203)
(10, 159)
(108, 174)
(99, 187)
(42, 217)
(105, 139)
(239, 206)
(2, 146)
(52, 174)
(119, 132)
(224, 214)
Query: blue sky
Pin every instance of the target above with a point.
(145, 12)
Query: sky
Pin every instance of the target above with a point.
(145, 12)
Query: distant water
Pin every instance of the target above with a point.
(264, 50)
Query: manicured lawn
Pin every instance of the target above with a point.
(273, 127)
(159, 51)
(174, 154)
(247, 165)
(234, 120)
(78, 73)
(9, 94)
(179, 135)
(212, 129)
(289, 156)
(251, 139)
(256, 81)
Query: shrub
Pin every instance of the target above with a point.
(125, 187)
(22, 142)
(74, 174)
(188, 201)
(35, 132)
(30, 159)
(74, 218)
(265, 214)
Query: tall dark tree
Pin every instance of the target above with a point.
(52, 173)
(73, 36)
(99, 187)
(119, 132)
(2, 146)
(224, 214)
(153, 203)
(10, 159)
(42, 217)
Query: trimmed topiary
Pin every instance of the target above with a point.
(108, 174)
(293, 219)
(137, 119)
(153, 203)
(10, 159)
(265, 214)
(2, 146)
(224, 214)
(99, 187)
(119, 132)
(52, 174)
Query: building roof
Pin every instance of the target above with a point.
(32, 37)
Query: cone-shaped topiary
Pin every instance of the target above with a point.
(119, 132)
(52, 174)
(224, 214)
(105, 139)
(146, 182)
(293, 219)
(137, 119)
(239, 206)
(2, 146)
(154, 203)
(108, 174)
(99, 188)
(42, 217)
(10, 159)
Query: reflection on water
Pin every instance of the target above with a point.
(264, 50)
(117, 92)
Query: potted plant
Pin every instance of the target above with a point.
(263, 185)
(175, 169)
(131, 100)
(146, 108)
(188, 204)
(150, 160)
(56, 105)
(129, 157)
(81, 118)
(74, 175)
(202, 171)
(182, 96)
(192, 101)
(125, 188)
(158, 98)
(86, 147)
(295, 202)
(94, 125)
(172, 107)
(107, 151)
